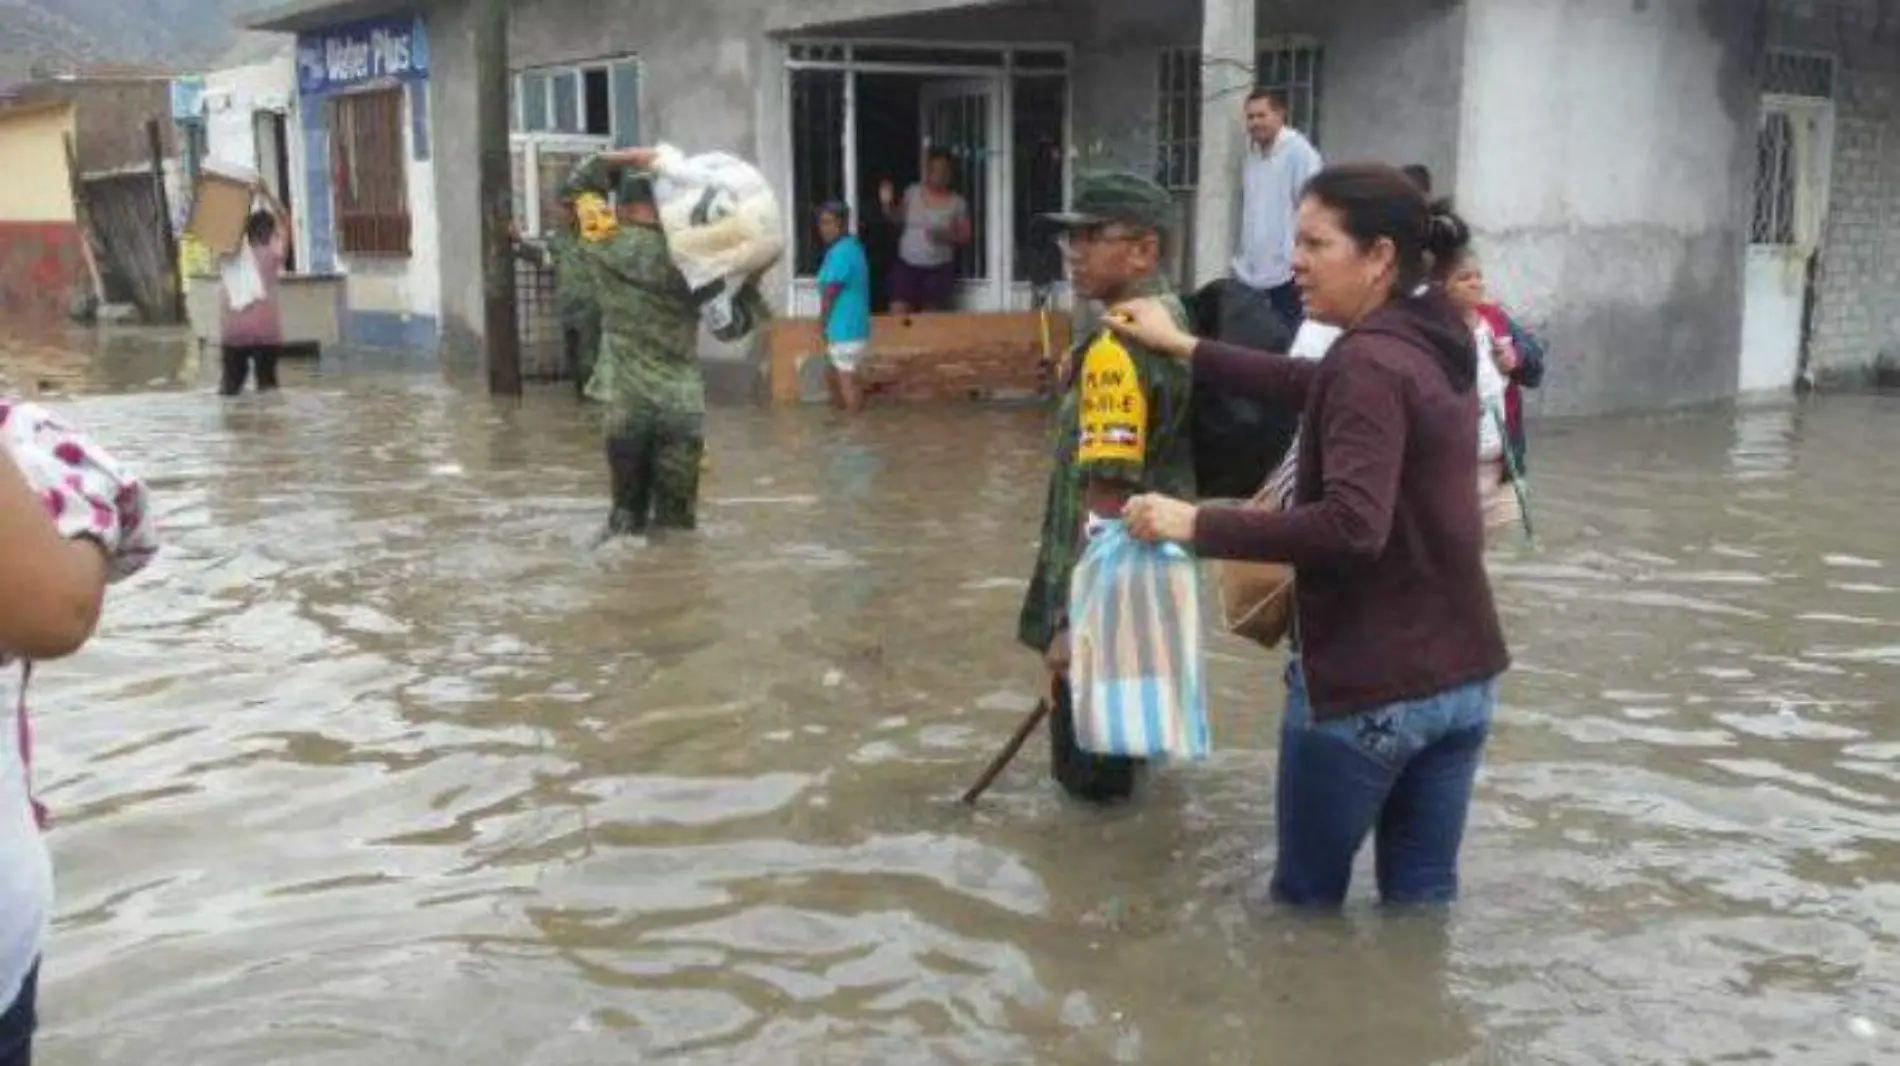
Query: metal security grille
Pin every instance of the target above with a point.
(1178, 138)
(1289, 67)
(1038, 138)
(1774, 180)
(818, 159)
(1795, 87)
(959, 125)
(366, 154)
(543, 356)
(1807, 74)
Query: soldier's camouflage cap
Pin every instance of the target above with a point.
(1116, 196)
(632, 187)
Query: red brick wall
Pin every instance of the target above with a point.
(929, 358)
(40, 264)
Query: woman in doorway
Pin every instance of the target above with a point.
(1396, 641)
(71, 522)
(936, 222)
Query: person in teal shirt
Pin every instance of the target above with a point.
(845, 279)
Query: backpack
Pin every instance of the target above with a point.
(1237, 442)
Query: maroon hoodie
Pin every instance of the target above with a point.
(1385, 532)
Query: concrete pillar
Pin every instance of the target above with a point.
(1227, 74)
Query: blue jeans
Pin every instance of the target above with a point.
(1403, 772)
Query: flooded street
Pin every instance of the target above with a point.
(379, 763)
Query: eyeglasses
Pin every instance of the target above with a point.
(1074, 240)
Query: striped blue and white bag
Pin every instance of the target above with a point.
(1136, 668)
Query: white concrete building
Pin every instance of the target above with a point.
(335, 121)
(1691, 198)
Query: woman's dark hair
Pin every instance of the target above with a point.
(260, 227)
(1375, 201)
(837, 209)
(940, 154)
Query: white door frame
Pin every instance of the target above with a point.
(1008, 293)
(1782, 268)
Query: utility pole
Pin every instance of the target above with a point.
(171, 299)
(501, 333)
(1227, 73)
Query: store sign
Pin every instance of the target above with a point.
(362, 53)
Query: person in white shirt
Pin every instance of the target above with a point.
(1280, 161)
(72, 521)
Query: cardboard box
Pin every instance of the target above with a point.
(221, 206)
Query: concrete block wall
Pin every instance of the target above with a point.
(711, 78)
(1606, 157)
(1856, 315)
(1390, 77)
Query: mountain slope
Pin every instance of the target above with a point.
(30, 34)
(58, 35)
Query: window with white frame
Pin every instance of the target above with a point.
(560, 115)
(1289, 66)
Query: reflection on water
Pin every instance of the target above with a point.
(380, 762)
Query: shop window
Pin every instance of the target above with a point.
(559, 116)
(591, 100)
(369, 180)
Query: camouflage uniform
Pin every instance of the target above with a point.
(1155, 456)
(648, 373)
(574, 300)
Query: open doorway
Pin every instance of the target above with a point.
(859, 118)
(890, 139)
(273, 166)
(901, 119)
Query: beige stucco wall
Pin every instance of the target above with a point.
(33, 143)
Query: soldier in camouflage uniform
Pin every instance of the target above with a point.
(1122, 428)
(574, 300)
(648, 375)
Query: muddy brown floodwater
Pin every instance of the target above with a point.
(379, 764)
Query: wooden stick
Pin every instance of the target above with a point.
(1002, 760)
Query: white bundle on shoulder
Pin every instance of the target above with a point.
(723, 226)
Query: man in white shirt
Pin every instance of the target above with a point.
(1280, 161)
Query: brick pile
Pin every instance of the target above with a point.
(995, 370)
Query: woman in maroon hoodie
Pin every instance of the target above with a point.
(1397, 646)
